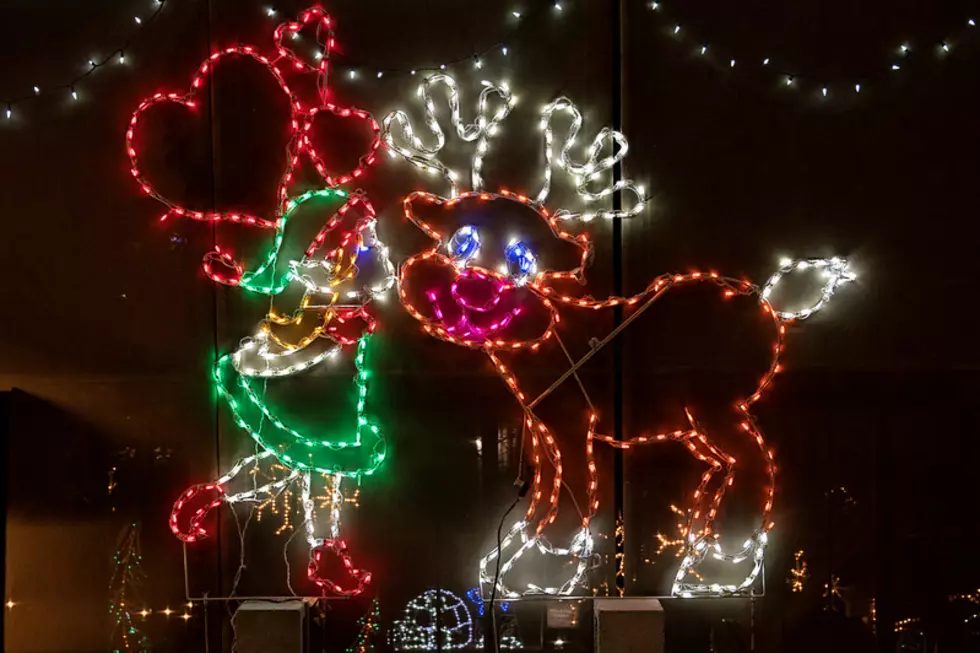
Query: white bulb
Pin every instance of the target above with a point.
(37, 90)
(74, 95)
(732, 64)
(479, 64)
(270, 11)
(516, 14)
(765, 62)
(442, 67)
(704, 49)
(946, 47)
(971, 23)
(122, 58)
(9, 113)
(654, 5)
(138, 21)
(380, 74)
(824, 91)
(558, 6)
(789, 80)
(857, 88)
(504, 50)
(352, 74)
(895, 66)
(677, 28)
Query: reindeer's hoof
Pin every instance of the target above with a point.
(357, 579)
(191, 509)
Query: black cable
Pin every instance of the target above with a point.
(496, 572)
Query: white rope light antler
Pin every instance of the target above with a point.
(481, 130)
(592, 169)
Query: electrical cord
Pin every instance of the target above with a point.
(496, 572)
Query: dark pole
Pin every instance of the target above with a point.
(212, 163)
(619, 468)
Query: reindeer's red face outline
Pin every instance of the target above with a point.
(478, 306)
(302, 119)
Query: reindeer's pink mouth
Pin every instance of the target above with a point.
(479, 305)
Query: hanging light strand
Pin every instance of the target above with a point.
(69, 88)
(818, 89)
(517, 23)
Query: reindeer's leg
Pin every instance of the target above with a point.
(211, 495)
(319, 547)
(708, 542)
(522, 529)
(542, 442)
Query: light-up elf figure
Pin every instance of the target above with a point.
(481, 289)
(342, 270)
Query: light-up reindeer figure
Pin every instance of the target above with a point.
(332, 316)
(488, 309)
(499, 309)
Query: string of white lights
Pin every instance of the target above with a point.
(592, 170)
(481, 129)
(518, 19)
(147, 13)
(823, 90)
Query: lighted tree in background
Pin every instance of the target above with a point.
(368, 629)
(124, 586)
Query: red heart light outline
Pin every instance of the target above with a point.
(305, 18)
(365, 160)
(178, 209)
(298, 145)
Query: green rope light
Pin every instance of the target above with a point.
(365, 445)
(357, 453)
(252, 280)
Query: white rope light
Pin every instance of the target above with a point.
(481, 130)
(834, 269)
(592, 170)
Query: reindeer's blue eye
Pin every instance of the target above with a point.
(521, 262)
(465, 244)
